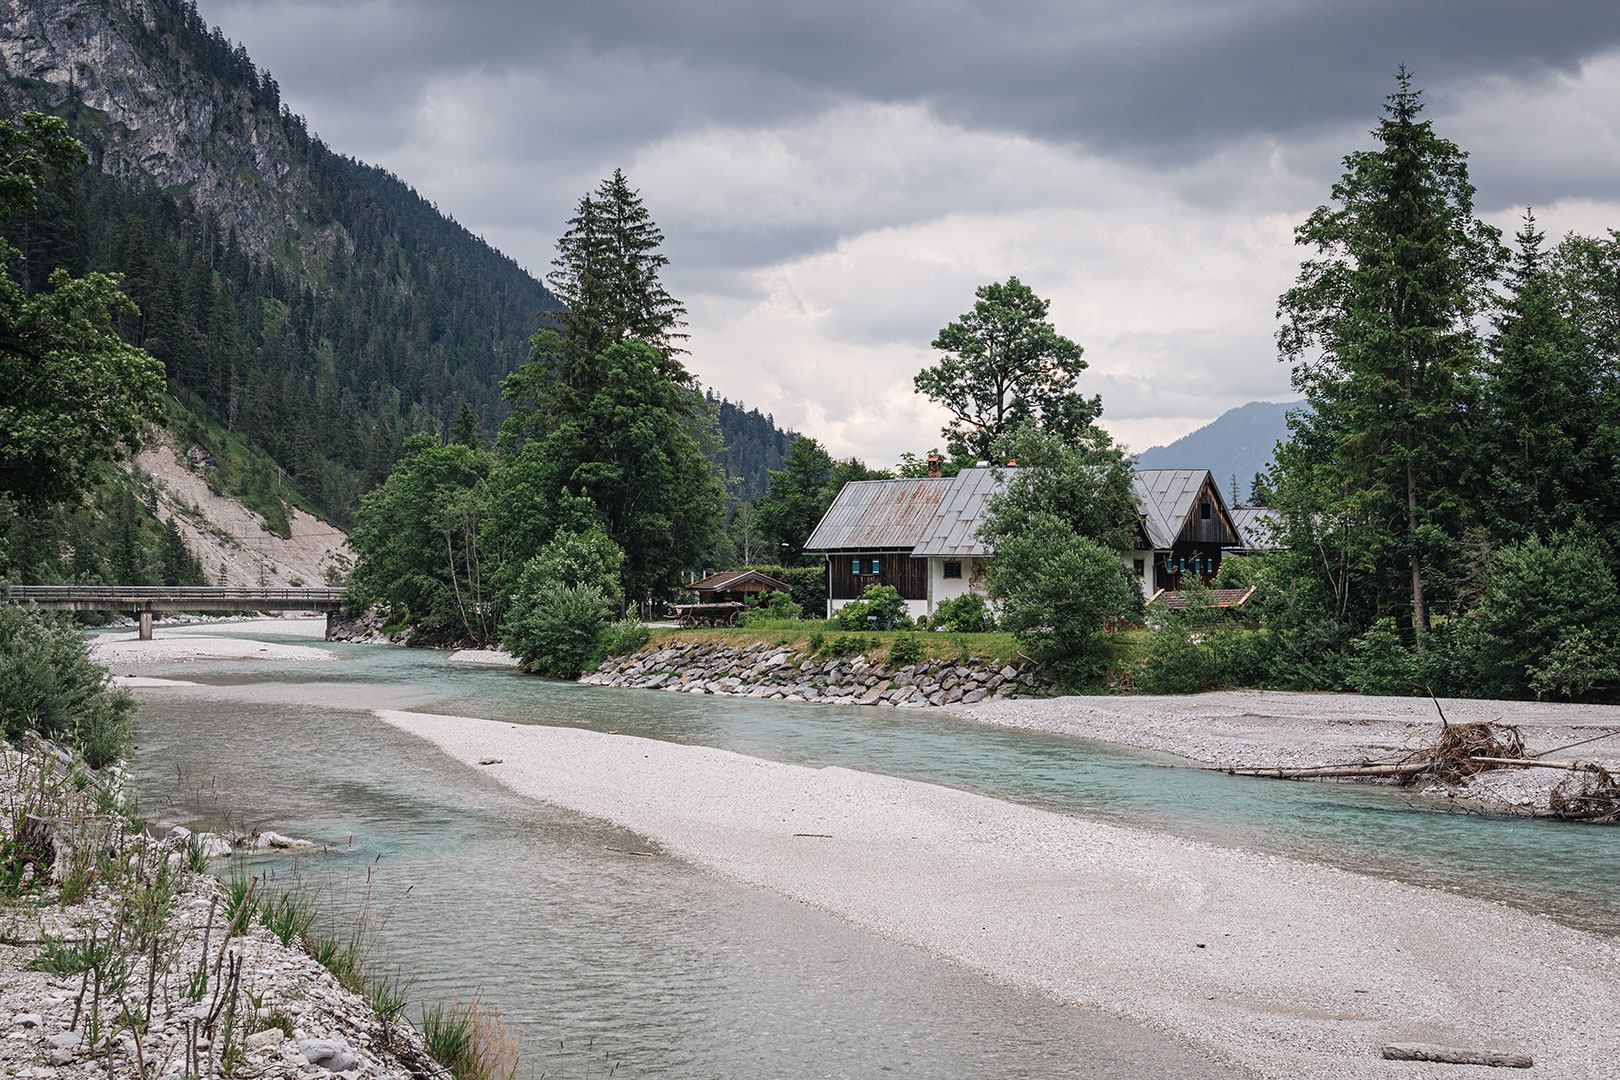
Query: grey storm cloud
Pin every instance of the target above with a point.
(1155, 80)
(835, 178)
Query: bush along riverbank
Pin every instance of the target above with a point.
(120, 957)
(779, 673)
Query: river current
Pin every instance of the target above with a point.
(596, 955)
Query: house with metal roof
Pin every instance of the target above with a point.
(1185, 528)
(921, 535)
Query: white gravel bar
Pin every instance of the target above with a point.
(1287, 968)
(485, 657)
(1272, 729)
(190, 641)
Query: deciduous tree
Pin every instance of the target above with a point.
(1005, 364)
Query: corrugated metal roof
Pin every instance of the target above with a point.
(1165, 498)
(1256, 526)
(881, 515)
(954, 528)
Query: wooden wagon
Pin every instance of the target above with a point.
(690, 615)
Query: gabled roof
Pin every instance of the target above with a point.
(954, 529)
(1166, 497)
(1217, 598)
(730, 579)
(879, 515)
(1256, 526)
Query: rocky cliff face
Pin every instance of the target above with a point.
(130, 75)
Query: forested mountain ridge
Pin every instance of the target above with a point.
(314, 305)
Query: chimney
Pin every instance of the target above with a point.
(933, 467)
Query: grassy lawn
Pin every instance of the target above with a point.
(810, 637)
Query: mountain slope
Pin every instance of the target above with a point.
(1237, 443)
(315, 305)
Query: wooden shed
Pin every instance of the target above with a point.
(736, 586)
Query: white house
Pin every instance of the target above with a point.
(920, 534)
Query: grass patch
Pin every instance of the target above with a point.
(471, 1041)
(810, 636)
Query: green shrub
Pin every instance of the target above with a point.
(1380, 663)
(882, 602)
(553, 629)
(1537, 594)
(808, 583)
(818, 638)
(846, 645)
(772, 607)
(49, 684)
(1578, 664)
(967, 614)
(1056, 589)
(904, 651)
(621, 638)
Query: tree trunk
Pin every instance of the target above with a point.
(1420, 609)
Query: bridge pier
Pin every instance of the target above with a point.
(331, 623)
(146, 626)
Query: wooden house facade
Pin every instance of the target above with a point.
(1185, 526)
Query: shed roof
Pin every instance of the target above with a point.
(1165, 498)
(880, 515)
(1256, 526)
(731, 579)
(954, 528)
(1217, 598)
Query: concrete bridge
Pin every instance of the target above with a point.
(143, 600)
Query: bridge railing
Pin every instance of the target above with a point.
(140, 593)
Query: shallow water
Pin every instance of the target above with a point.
(688, 975)
(650, 962)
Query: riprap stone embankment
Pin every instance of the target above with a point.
(782, 674)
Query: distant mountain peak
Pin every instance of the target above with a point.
(1240, 442)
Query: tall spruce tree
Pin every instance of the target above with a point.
(607, 276)
(1541, 398)
(1380, 331)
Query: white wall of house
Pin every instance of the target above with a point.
(941, 587)
(1146, 582)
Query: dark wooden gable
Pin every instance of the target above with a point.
(1208, 521)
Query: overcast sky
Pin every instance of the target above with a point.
(834, 179)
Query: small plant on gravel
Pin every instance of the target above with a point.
(196, 854)
(846, 645)
(388, 995)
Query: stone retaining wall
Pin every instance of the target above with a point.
(781, 674)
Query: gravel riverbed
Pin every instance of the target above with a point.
(1280, 967)
(1277, 729)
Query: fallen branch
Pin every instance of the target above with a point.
(1530, 763)
(1405, 769)
(1450, 1055)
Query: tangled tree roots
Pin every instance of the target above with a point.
(1451, 758)
(1589, 793)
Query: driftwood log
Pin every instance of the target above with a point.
(1451, 1055)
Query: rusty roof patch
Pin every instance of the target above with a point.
(879, 515)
